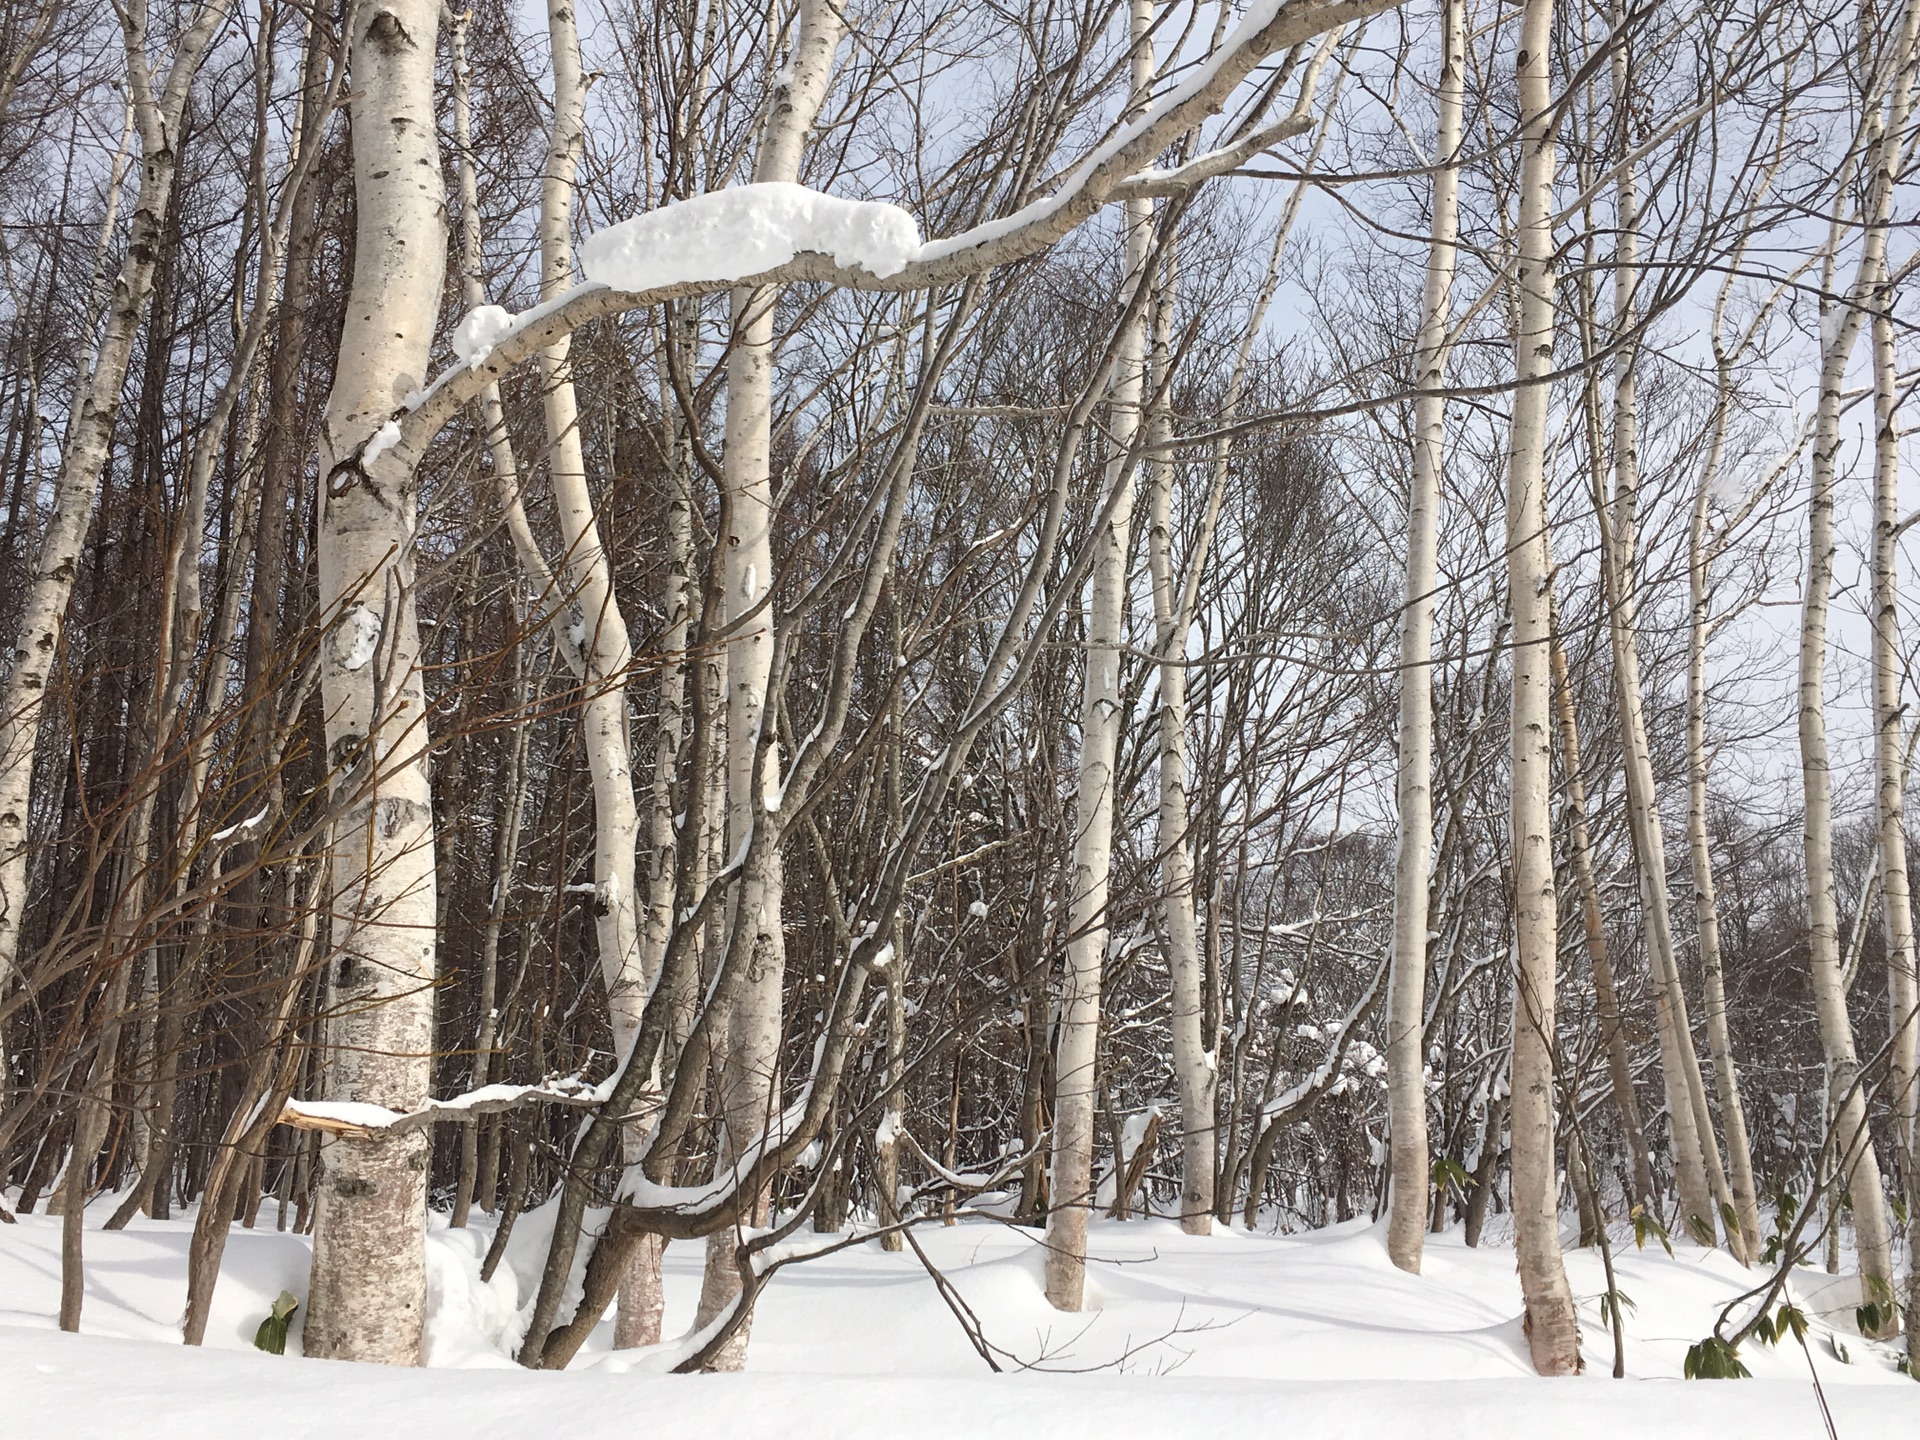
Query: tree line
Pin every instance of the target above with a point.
(563, 656)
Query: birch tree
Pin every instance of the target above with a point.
(1553, 1331)
(1193, 1064)
(1890, 761)
(367, 1295)
(1696, 1159)
(605, 646)
(1071, 1182)
(1406, 994)
(1888, 106)
(749, 1078)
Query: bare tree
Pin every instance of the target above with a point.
(1406, 995)
(1553, 1331)
(368, 1291)
(1878, 150)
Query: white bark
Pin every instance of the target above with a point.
(642, 1295)
(1553, 1330)
(606, 650)
(1406, 985)
(748, 1080)
(676, 603)
(1890, 752)
(1070, 1185)
(1733, 1116)
(368, 1291)
(1841, 319)
(887, 1144)
(1194, 1072)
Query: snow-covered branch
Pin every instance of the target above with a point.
(361, 1121)
(771, 234)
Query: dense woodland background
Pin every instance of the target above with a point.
(182, 954)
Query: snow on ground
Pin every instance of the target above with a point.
(1311, 1335)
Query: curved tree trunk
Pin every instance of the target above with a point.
(1194, 1074)
(1605, 995)
(605, 649)
(1883, 136)
(1733, 1116)
(1696, 1157)
(1890, 752)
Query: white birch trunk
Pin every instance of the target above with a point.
(748, 1079)
(1695, 1156)
(605, 647)
(1890, 752)
(1193, 1065)
(1841, 319)
(676, 603)
(642, 1295)
(1070, 1186)
(1406, 985)
(1733, 1117)
(1552, 1328)
(368, 1292)
(886, 1145)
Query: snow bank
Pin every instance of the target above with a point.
(733, 233)
(1225, 1335)
(472, 1324)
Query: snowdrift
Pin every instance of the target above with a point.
(1315, 1333)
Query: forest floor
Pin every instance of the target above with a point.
(1316, 1333)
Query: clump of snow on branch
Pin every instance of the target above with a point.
(746, 230)
(478, 331)
(244, 826)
